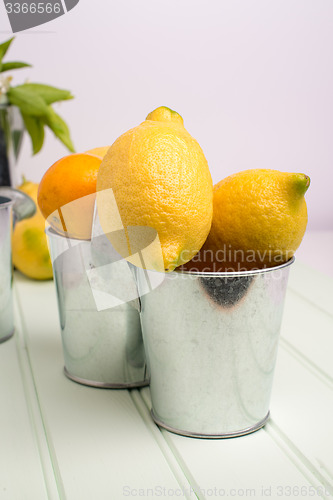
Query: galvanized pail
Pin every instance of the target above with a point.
(102, 345)
(14, 206)
(211, 342)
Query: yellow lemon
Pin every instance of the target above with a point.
(101, 152)
(29, 245)
(161, 182)
(259, 220)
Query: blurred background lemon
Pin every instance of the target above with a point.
(30, 251)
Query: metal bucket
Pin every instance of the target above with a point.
(102, 346)
(211, 342)
(6, 300)
(12, 202)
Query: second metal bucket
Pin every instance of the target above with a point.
(211, 342)
(14, 206)
(103, 346)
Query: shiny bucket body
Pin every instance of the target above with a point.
(14, 206)
(211, 342)
(6, 301)
(102, 347)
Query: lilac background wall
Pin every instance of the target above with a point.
(253, 80)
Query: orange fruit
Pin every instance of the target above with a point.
(161, 184)
(259, 220)
(67, 192)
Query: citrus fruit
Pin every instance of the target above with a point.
(101, 152)
(29, 245)
(259, 220)
(67, 192)
(161, 183)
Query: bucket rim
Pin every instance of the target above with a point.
(52, 232)
(204, 274)
(5, 202)
(229, 274)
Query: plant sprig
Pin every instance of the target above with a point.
(34, 101)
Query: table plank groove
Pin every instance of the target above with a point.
(92, 433)
(314, 474)
(265, 464)
(306, 362)
(185, 480)
(302, 408)
(20, 463)
(308, 329)
(312, 285)
(35, 412)
(66, 441)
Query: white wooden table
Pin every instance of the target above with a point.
(59, 439)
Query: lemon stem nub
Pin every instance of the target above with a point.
(164, 114)
(301, 183)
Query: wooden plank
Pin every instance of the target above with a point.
(100, 446)
(21, 474)
(302, 409)
(34, 409)
(309, 330)
(312, 285)
(249, 466)
(187, 484)
(293, 454)
(316, 251)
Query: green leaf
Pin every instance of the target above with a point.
(48, 93)
(35, 128)
(4, 47)
(59, 128)
(29, 102)
(13, 65)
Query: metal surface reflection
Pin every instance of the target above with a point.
(102, 340)
(211, 348)
(14, 206)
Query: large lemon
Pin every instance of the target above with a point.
(259, 220)
(161, 182)
(29, 245)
